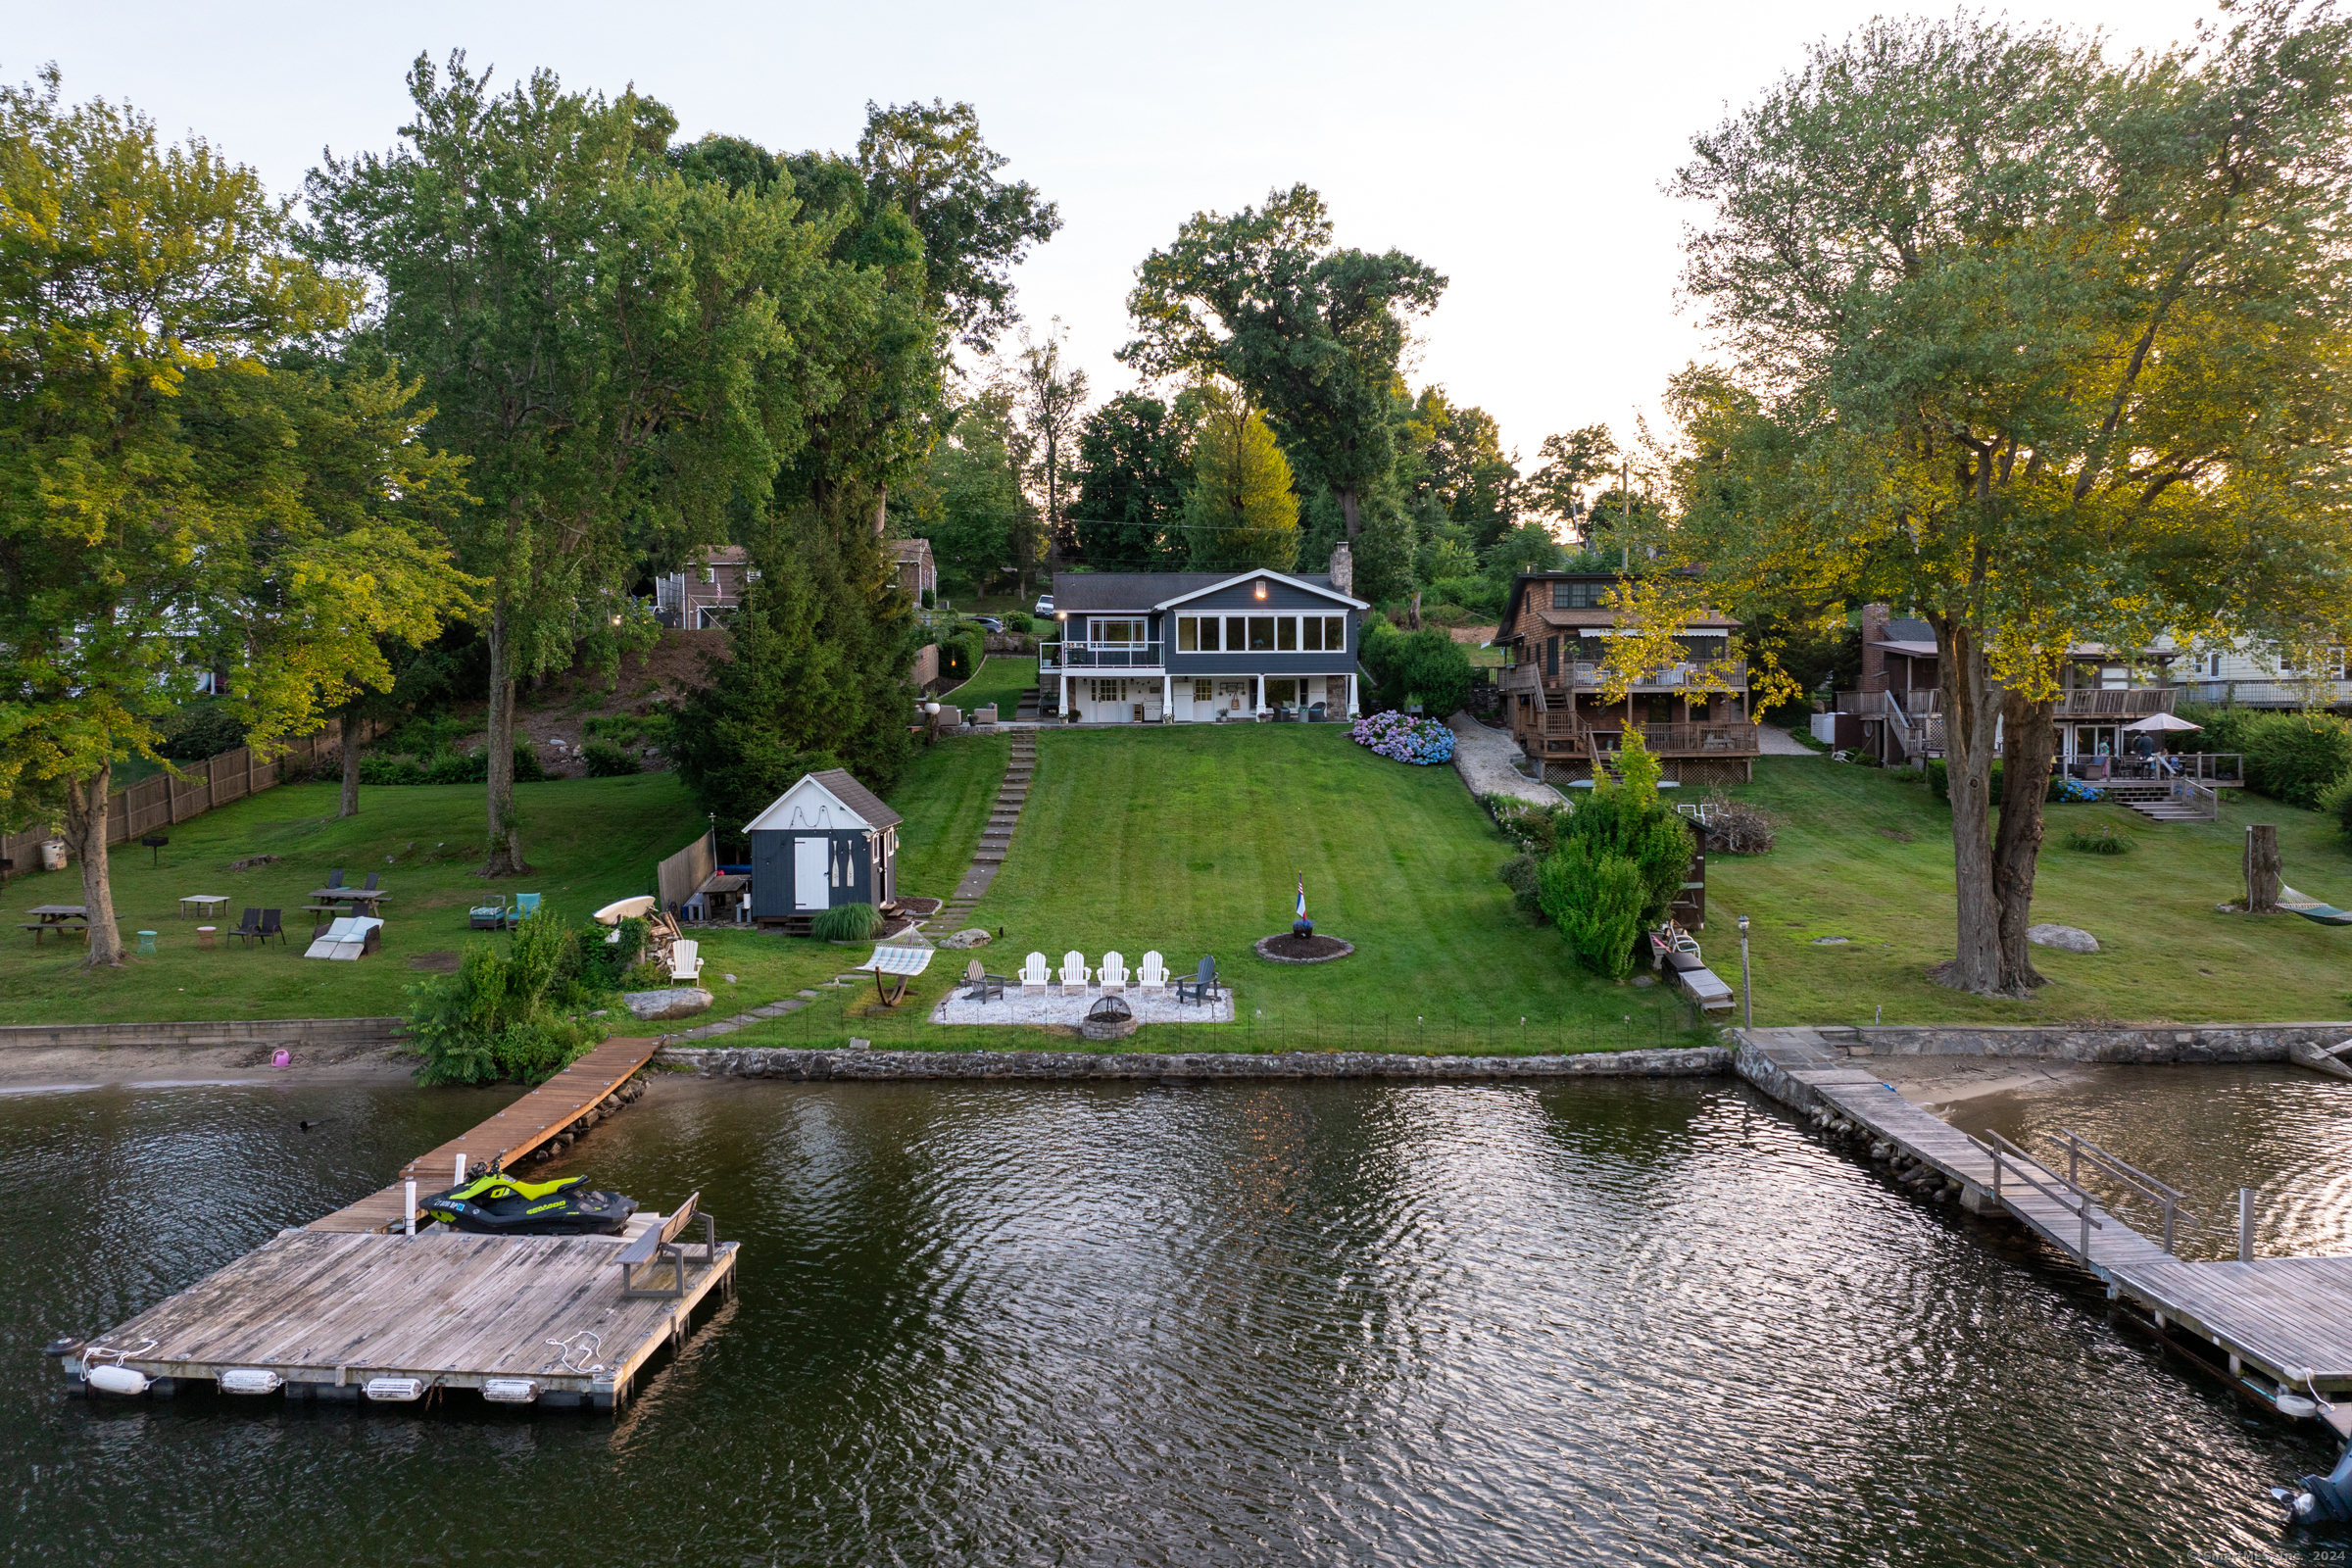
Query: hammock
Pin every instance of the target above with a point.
(2311, 908)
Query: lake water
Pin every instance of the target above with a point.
(1330, 1323)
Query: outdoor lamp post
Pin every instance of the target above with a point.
(1748, 995)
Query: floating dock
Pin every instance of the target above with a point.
(2283, 1325)
(350, 1306)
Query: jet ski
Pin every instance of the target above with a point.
(496, 1204)
(2328, 1499)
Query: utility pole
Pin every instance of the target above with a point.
(1625, 539)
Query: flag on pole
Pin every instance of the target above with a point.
(1302, 894)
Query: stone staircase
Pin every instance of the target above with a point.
(1026, 712)
(2155, 801)
(996, 840)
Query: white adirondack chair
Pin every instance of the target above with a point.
(1152, 974)
(1035, 979)
(1113, 976)
(1073, 974)
(686, 961)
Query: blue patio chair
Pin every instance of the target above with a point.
(1202, 986)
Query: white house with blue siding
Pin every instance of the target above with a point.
(1204, 646)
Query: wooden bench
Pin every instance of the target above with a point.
(659, 1246)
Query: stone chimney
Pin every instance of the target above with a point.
(1343, 568)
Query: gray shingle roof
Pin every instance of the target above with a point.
(1096, 591)
(857, 798)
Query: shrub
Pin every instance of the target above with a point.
(1533, 828)
(1425, 667)
(1596, 902)
(2336, 801)
(502, 1014)
(471, 768)
(1018, 622)
(1420, 741)
(2106, 841)
(928, 596)
(960, 656)
(1939, 781)
(608, 760)
(202, 729)
(846, 922)
(609, 964)
(2295, 757)
(1519, 873)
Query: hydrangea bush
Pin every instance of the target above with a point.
(1420, 741)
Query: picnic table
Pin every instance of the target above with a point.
(206, 905)
(330, 896)
(54, 917)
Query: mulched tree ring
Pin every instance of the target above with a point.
(1288, 949)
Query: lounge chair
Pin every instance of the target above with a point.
(1073, 974)
(274, 924)
(1152, 974)
(487, 916)
(1203, 986)
(1035, 979)
(986, 987)
(1113, 976)
(249, 927)
(349, 939)
(685, 959)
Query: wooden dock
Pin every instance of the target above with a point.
(2283, 1324)
(505, 1138)
(350, 1306)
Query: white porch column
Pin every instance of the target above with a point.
(1067, 709)
(1351, 713)
(1167, 699)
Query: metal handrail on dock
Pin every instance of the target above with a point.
(2169, 1200)
(2079, 1209)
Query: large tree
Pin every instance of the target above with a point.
(974, 513)
(610, 343)
(1135, 472)
(1053, 394)
(177, 491)
(1454, 464)
(1310, 333)
(1569, 463)
(2040, 346)
(1242, 511)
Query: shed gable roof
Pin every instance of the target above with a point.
(832, 800)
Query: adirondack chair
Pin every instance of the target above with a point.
(1113, 976)
(1152, 974)
(1073, 974)
(249, 927)
(985, 986)
(1203, 986)
(487, 916)
(526, 904)
(1035, 979)
(685, 959)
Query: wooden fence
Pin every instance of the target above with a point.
(683, 873)
(160, 800)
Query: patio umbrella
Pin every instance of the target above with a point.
(2162, 721)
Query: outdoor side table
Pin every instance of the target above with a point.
(146, 942)
(206, 905)
(204, 935)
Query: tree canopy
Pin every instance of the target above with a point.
(1241, 512)
(2045, 348)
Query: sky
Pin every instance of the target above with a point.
(1518, 149)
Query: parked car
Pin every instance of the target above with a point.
(990, 621)
(1045, 604)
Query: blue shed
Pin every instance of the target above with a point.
(827, 841)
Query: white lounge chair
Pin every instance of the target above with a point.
(1037, 980)
(1113, 976)
(685, 960)
(1152, 974)
(1073, 974)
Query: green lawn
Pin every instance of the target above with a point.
(1187, 841)
(591, 841)
(1867, 854)
(1000, 680)
(945, 796)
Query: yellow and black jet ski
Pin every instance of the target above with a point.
(496, 1204)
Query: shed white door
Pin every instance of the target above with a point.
(812, 862)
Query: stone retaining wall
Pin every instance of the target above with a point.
(311, 1032)
(1078, 1065)
(2212, 1041)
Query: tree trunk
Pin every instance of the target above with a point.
(881, 509)
(2028, 746)
(351, 764)
(2263, 869)
(506, 831)
(85, 834)
(1971, 715)
(1348, 512)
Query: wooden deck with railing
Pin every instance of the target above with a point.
(1561, 734)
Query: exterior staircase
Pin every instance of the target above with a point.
(1026, 710)
(2158, 801)
(996, 840)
